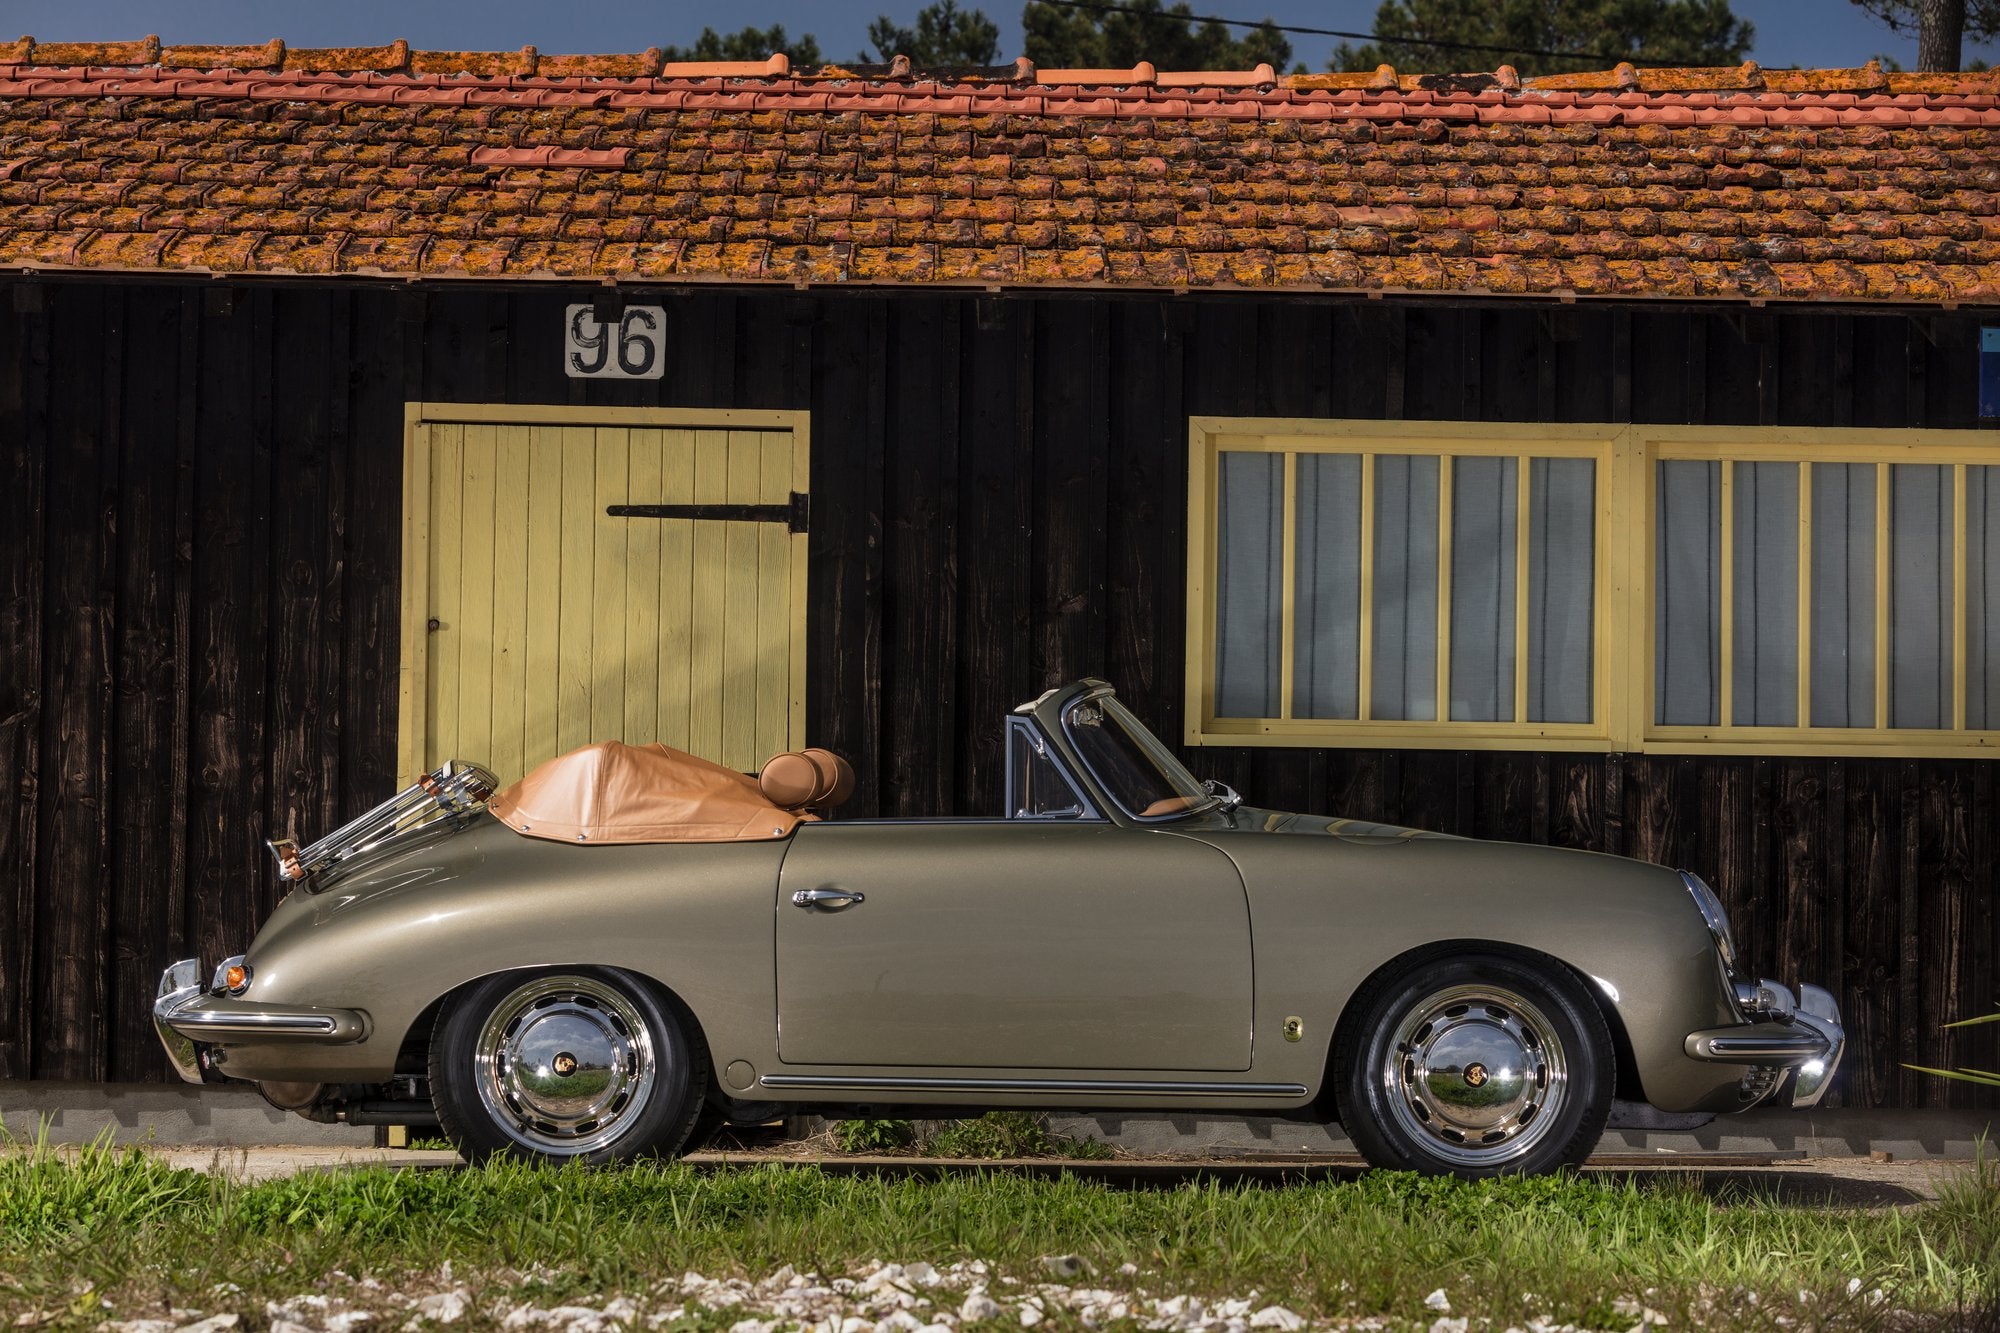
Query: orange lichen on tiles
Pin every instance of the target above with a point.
(550, 156)
(145, 51)
(644, 65)
(519, 63)
(392, 58)
(271, 55)
(1734, 183)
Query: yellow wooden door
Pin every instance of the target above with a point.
(537, 622)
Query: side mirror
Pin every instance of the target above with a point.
(1230, 800)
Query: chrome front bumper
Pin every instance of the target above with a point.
(191, 1018)
(1792, 1045)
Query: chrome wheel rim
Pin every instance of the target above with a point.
(1476, 1074)
(564, 1065)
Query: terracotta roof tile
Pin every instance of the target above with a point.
(1730, 183)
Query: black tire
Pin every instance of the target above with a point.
(571, 1064)
(1475, 1065)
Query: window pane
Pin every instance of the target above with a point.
(1764, 533)
(1687, 594)
(1484, 505)
(1920, 595)
(1562, 551)
(1982, 598)
(1843, 595)
(1249, 604)
(1404, 661)
(1326, 607)
(1040, 789)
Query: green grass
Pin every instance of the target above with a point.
(76, 1230)
(996, 1134)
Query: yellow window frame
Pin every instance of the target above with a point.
(1626, 536)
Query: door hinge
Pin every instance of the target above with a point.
(795, 513)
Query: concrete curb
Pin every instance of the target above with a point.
(1907, 1135)
(163, 1113)
(226, 1116)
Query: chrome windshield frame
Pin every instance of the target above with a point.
(1148, 743)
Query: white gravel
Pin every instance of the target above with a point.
(875, 1298)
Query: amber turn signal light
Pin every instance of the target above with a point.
(237, 977)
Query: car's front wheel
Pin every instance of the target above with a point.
(572, 1064)
(1476, 1065)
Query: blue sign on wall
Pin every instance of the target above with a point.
(1989, 371)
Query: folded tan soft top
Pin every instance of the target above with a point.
(617, 793)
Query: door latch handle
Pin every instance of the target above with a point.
(831, 900)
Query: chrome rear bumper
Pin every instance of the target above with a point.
(190, 1018)
(179, 985)
(1793, 1046)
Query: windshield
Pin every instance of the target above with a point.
(1134, 769)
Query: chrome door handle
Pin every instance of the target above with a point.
(831, 900)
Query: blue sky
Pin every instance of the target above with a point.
(1805, 32)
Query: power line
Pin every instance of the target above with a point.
(1135, 10)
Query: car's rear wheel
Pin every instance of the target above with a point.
(1476, 1065)
(572, 1064)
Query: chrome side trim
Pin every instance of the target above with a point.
(215, 1022)
(1063, 1086)
(1756, 1046)
(187, 1017)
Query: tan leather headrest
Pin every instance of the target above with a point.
(800, 778)
(842, 785)
(790, 779)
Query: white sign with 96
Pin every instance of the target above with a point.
(632, 347)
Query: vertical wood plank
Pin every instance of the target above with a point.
(144, 926)
(24, 451)
(708, 595)
(676, 615)
(739, 595)
(1945, 931)
(994, 495)
(609, 649)
(575, 667)
(775, 611)
(543, 678)
(1909, 886)
(641, 675)
(920, 562)
(1070, 471)
(303, 666)
(508, 578)
(443, 682)
(79, 677)
(1871, 856)
(849, 408)
(371, 437)
(231, 884)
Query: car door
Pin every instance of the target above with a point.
(1012, 944)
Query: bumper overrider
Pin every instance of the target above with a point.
(193, 1019)
(1792, 1044)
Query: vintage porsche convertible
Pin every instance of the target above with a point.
(631, 946)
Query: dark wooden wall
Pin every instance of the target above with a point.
(199, 556)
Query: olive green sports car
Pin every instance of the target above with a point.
(630, 947)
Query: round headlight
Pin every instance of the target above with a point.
(1717, 919)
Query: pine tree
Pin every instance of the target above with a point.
(944, 35)
(753, 43)
(1461, 35)
(1121, 34)
(1942, 26)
